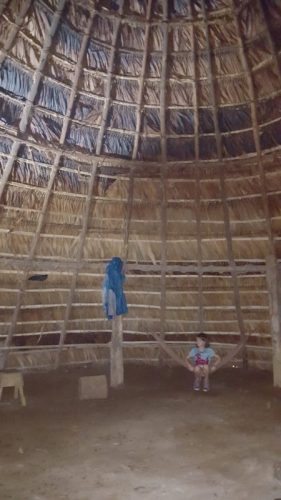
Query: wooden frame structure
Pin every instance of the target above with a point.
(146, 131)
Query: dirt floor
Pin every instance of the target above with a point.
(154, 439)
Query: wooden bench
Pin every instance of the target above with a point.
(15, 380)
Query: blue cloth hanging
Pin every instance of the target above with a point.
(114, 300)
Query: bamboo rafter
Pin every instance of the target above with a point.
(25, 6)
(55, 166)
(32, 94)
(163, 175)
(15, 148)
(248, 159)
(272, 44)
(197, 193)
(255, 129)
(89, 199)
(107, 98)
(228, 234)
(79, 256)
(138, 129)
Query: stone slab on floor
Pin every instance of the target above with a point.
(93, 387)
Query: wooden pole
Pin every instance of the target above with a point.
(273, 275)
(228, 233)
(270, 38)
(256, 132)
(55, 166)
(79, 257)
(15, 28)
(137, 135)
(116, 353)
(163, 174)
(49, 265)
(197, 190)
(146, 165)
(182, 361)
(37, 76)
(139, 106)
(15, 148)
(116, 348)
(109, 86)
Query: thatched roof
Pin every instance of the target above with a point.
(149, 129)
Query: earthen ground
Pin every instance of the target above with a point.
(154, 439)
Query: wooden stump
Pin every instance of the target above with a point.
(273, 283)
(93, 387)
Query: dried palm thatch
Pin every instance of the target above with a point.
(149, 129)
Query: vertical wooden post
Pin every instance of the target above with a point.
(22, 127)
(197, 199)
(116, 353)
(274, 291)
(227, 226)
(163, 173)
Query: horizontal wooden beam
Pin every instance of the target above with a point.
(134, 220)
(171, 333)
(146, 352)
(132, 344)
(107, 235)
(248, 160)
(225, 307)
(57, 265)
(129, 291)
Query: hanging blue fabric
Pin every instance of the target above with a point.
(114, 300)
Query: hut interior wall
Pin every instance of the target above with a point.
(43, 306)
(118, 129)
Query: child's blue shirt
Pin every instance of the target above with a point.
(201, 357)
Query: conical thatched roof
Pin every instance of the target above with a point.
(149, 129)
